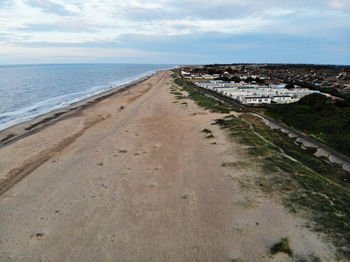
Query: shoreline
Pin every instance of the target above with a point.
(27, 127)
(147, 178)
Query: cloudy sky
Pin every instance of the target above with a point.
(174, 31)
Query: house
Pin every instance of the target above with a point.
(284, 99)
(255, 100)
(207, 76)
(185, 74)
(196, 75)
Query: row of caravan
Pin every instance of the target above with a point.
(254, 94)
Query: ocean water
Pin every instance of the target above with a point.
(27, 91)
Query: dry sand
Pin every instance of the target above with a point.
(139, 184)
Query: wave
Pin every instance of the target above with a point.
(11, 118)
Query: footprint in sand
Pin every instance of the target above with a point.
(37, 236)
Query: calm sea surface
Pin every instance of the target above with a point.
(27, 91)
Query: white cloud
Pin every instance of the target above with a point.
(89, 21)
(340, 4)
(137, 4)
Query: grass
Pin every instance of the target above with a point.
(306, 184)
(207, 131)
(186, 196)
(235, 164)
(309, 184)
(209, 137)
(282, 247)
(331, 171)
(240, 129)
(202, 100)
(247, 202)
(175, 90)
(123, 151)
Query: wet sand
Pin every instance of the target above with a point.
(139, 184)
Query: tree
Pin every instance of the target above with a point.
(290, 86)
(316, 101)
(236, 79)
(229, 70)
(260, 81)
(249, 79)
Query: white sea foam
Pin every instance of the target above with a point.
(10, 118)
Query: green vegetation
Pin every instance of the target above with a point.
(288, 145)
(175, 90)
(186, 196)
(301, 187)
(207, 131)
(236, 260)
(234, 164)
(282, 247)
(306, 184)
(201, 99)
(123, 151)
(311, 259)
(318, 116)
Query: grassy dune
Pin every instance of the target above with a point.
(307, 185)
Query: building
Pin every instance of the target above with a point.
(255, 94)
(185, 74)
(248, 100)
(284, 99)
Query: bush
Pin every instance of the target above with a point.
(282, 247)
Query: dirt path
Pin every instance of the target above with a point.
(140, 184)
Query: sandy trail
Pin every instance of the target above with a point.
(139, 184)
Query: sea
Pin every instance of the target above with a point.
(27, 91)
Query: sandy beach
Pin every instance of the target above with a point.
(131, 177)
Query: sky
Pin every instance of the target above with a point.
(175, 31)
